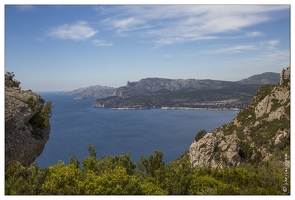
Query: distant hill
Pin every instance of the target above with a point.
(262, 79)
(188, 93)
(95, 91)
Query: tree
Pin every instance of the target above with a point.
(75, 161)
(62, 179)
(10, 81)
(152, 163)
(200, 135)
(91, 150)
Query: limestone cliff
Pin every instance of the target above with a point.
(27, 125)
(259, 131)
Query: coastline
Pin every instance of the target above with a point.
(175, 108)
(188, 108)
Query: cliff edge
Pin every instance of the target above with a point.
(27, 125)
(259, 131)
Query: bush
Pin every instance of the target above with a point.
(110, 176)
(200, 135)
(10, 81)
(41, 120)
(31, 102)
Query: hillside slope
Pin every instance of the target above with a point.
(259, 131)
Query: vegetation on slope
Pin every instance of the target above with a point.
(118, 175)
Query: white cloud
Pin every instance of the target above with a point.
(77, 31)
(25, 7)
(183, 23)
(273, 42)
(270, 44)
(101, 43)
(253, 34)
(235, 49)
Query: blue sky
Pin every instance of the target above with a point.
(58, 48)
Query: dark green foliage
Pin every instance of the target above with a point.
(246, 150)
(247, 115)
(10, 81)
(91, 150)
(276, 104)
(152, 163)
(118, 175)
(41, 119)
(286, 83)
(262, 93)
(200, 135)
(228, 129)
(31, 102)
(75, 161)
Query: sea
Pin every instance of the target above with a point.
(75, 124)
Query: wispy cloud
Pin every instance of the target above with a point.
(235, 49)
(101, 43)
(77, 31)
(183, 23)
(271, 44)
(254, 34)
(24, 7)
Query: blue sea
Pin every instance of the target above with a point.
(75, 124)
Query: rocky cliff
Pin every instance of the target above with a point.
(259, 131)
(27, 125)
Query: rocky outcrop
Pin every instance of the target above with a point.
(27, 125)
(214, 149)
(285, 74)
(258, 131)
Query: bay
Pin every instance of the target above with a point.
(75, 124)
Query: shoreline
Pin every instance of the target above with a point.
(188, 108)
(174, 108)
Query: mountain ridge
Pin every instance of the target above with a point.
(162, 92)
(94, 91)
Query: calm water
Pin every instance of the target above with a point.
(75, 125)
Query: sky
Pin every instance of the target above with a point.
(65, 47)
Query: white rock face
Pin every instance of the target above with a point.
(215, 151)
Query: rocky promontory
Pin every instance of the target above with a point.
(27, 125)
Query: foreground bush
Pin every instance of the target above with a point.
(118, 175)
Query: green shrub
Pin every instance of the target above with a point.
(276, 104)
(31, 102)
(200, 135)
(41, 119)
(10, 81)
(178, 177)
(245, 150)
